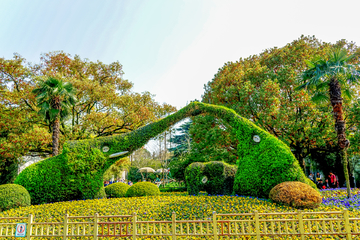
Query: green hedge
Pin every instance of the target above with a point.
(116, 190)
(173, 189)
(216, 178)
(140, 189)
(12, 196)
(77, 172)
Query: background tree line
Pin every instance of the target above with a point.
(105, 105)
(262, 88)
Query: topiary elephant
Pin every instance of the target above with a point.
(264, 161)
(216, 178)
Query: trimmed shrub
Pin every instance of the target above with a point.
(12, 196)
(116, 190)
(194, 173)
(143, 189)
(216, 178)
(295, 194)
(77, 173)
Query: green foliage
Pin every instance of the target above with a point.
(71, 175)
(216, 178)
(55, 98)
(134, 175)
(12, 196)
(107, 105)
(177, 167)
(77, 172)
(100, 194)
(262, 88)
(116, 169)
(173, 189)
(335, 75)
(116, 190)
(181, 140)
(8, 170)
(213, 139)
(143, 189)
(296, 194)
(194, 173)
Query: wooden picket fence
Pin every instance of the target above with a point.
(296, 225)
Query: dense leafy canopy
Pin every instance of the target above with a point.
(334, 74)
(106, 105)
(261, 88)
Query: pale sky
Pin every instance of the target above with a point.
(170, 48)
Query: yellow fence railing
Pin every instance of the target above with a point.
(299, 225)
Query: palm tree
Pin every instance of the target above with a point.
(54, 97)
(331, 73)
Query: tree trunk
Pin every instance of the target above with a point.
(55, 137)
(56, 127)
(336, 102)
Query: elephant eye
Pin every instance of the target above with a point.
(204, 179)
(105, 149)
(256, 138)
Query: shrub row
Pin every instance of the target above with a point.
(117, 190)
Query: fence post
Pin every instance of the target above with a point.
(301, 225)
(347, 224)
(215, 226)
(96, 230)
(173, 226)
(29, 227)
(65, 227)
(257, 225)
(134, 226)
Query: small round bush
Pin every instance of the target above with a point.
(295, 194)
(116, 190)
(12, 196)
(143, 189)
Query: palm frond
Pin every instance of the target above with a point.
(348, 93)
(320, 97)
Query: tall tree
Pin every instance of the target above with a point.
(19, 129)
(261, 88)
(55, 98)
(333, 73)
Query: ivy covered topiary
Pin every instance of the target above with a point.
(221, 178)
(216, 178)
(116, 190)
(140, 189)
(12, 196)
(77, 172)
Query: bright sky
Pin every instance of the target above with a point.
(170, 48)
